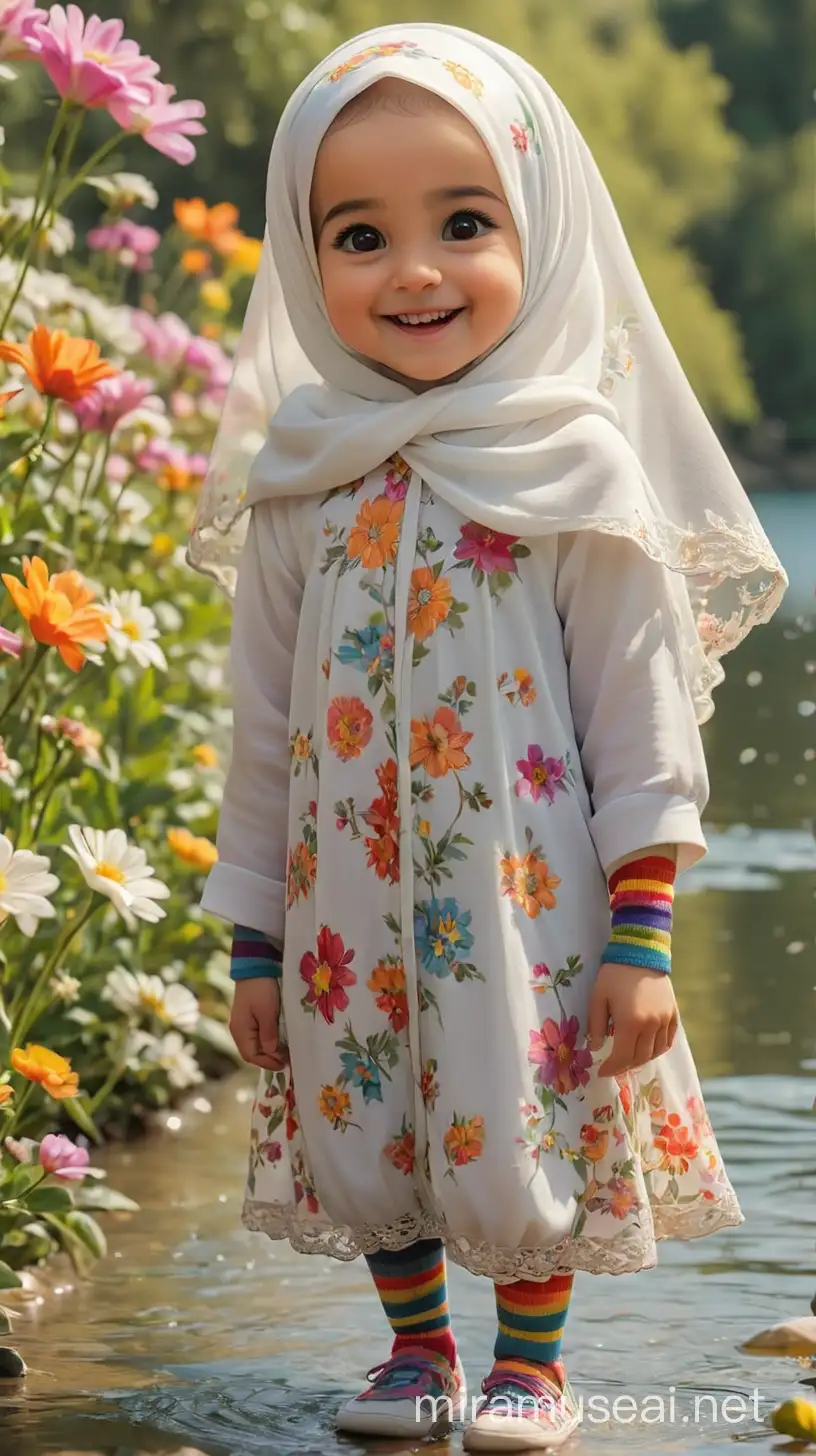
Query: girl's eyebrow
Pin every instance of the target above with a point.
(439, 194)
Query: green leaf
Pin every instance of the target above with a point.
(18, 1183)
(8, 1278)
(5, 1322)
(89, 1233)
(49, 1199)
(79, 1114)
(108, 1200)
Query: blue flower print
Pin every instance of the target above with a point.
(364, 646)
(362, 1072)
(442, 935)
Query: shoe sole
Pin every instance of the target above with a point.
(360, 1423)
(482, 1438)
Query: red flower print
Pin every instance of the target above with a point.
(348, 727)
(429, 1084)
(488, 550)
(327, 974)
(401, 1152)
(553, 1050)
(677, 1145)
(289, 1103)
(540, 776)
(388, 984)
(593, 1142)
(381, 816)
(521, 140)
(271, 1152)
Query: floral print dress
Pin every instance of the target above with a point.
(408, 809)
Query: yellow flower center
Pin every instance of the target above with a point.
(539, 775)
(110, 872)
(2, 883)
(102, 57)
(131, 630)
(151, 1002)
(564, 1052)
(322, 978)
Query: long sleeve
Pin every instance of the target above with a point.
(247, 885)
(634, 718)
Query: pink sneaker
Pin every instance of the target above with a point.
(522, 1413)
(410, 1395)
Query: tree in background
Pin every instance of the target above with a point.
(760, 252)
(653, 117)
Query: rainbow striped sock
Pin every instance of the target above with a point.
(641, 897)
(531, 1325)
(413, 1288)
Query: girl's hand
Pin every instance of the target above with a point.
(255, 1023)
(641, 1006)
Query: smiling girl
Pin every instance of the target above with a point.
(494, 555)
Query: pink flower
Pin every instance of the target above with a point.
(164, 339)
(11, 643)
(164, 124)
(553, 1051)
(174, 468)
(17, 20)
(207, 357)
(23, 1149)
(327, 974)
(118, 469)
(132, 243)
(271, 1151)
(112, 400)
(540, 775)
(488, 550)
(88, 62)
(58, 1155)
(541, 971)
(182, 404)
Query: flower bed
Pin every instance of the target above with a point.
(113, 986)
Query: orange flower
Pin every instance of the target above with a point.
(59, 610)
(593, 1142)
(205, 755)
(374, 536)
(677, 1145)
(245, 253)
(529, 883)
(388, 984)
(335, 1105)
(348, 727)
(402, 1152)
(301, 873)
(429, 602)
(193, 850)
(195, 261)
(57, 365)
(438, 743)
(6, 1092)
(525, 686)
(464, 1141)
(4, 399)
(213, 225)
(52, 1071)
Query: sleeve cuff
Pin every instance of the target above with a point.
(244, 898)
(625, 826)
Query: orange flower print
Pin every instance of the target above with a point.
(402, 1151)
(624, 1092)
(335, 1105)
(676, 1144)
(465, 77)
(529, 882)
(429, 602)
(381, 816)
(438, 744)
(387, 981)
(593, 1142)
(348, 727)
(464, 1141)
(301, 873)
(374, 537)
(622, 1198)
(429, 1084)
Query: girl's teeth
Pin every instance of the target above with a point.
(424, 318)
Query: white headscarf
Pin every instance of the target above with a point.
(581, 418)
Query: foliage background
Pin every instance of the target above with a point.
(699, 113)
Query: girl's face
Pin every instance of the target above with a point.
(419, 256)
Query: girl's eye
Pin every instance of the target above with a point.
(462, 227)
(359, 238)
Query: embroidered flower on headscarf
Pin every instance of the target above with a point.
(465, 77)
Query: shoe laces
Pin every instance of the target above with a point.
(511, 1390)
(408, 1372)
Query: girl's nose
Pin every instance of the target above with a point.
(416, 273)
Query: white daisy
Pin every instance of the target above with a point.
(131, 508)
(132, 630)
(59, 236)
(125, 188)
(25, 881)
(64, 987)
(172, 1054)
(134, 992)
(119, 870)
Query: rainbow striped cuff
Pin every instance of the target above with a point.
(253, 954)
(641, 897)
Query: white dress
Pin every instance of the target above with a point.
(443, 737)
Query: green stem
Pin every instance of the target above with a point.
(67, 462)
(95, 1102)
(32, 456)
(24, 680)
(59, 122)
(54, 784)
(88, 167)
(31, 1009)
(19, 1108)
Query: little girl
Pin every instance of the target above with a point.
(494, 554)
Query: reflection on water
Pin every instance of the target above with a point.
(197, 1339)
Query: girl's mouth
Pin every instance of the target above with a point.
(432, 321)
